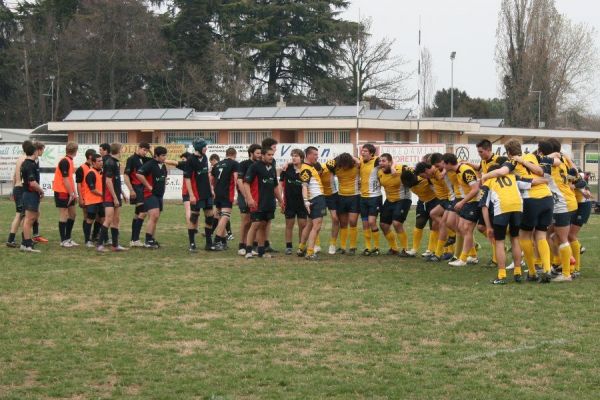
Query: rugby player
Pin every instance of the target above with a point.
(332, 198)
(370, 198)
(82, 189)
(17, 197)
(136, 191)
(225, 175)
(65, 195)
(32, 194)
(91, 195)
(293, 203)
(314, 201)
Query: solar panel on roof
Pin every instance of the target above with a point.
(152, 113)
(78, 115)
(394, 114)
(102, 115)
(177, 113)
(344, 111)
(263, 112)
(371, 114)
(127, 114)
(236, 113)
(289, 112)
(317, 112)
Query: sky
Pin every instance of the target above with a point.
(465, 26)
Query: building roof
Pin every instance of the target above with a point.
(8, 135)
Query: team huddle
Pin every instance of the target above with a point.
(539, 200)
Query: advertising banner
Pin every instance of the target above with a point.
(410, 154)
(468, 152)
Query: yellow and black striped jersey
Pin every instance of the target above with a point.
(391, 183)
(467, 177)
(369, 184)
(423, 190)
(484, 165)
(558, 182)
(328, 180)
(348, 179)
(440, 186)
(537, 191)
(310, 177)
(502, 194)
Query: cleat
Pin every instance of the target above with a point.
(532, 278)
(12, 245)
(555, 271)
(209, 247)
(249, 256)
(472, 260)
(29, 249)
(230, 237)
(192, 248)
(332, 250)
(457, 263)
(317, 249)
(510, 266)
(366, 252)
(66, 244)
(575, 275)
(118, 248)
(562, 278)
(89, 244)
(404, 254)
(351, 252)
(426, 254)
(498, 282)
(288, 251)
(340, 251)
(101, 249)
(518, 278)
(312, 257)
(151, 244)
(447, 256)
(582, 250)
(392, 252)
(241, 252)
(454, 258)
(545, 278)
(411, 253)
(375, 252)
(301, 253)
(136, 243)
(269, 249)
(218, 247)
(451, 240)
(73, 243)
(267, 255)
(40, 239)
(433, 258)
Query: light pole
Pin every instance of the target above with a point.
(51, 95)
(539, 92)
(452, 57)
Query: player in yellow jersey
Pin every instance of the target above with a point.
(467, 208)
(565, 202)
(345, 168)
(332, 199)
(579, 218)
(397, 204)
(312, 193)
(370, 198)
(537, 208)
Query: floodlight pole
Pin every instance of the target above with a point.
(452, 57)
(539, 92)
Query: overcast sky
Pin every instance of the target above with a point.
(465, 26)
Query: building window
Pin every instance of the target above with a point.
(185, 137)
(248, 137)
(101, 137)
(327, 136)
(448, 138)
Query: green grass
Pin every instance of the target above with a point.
(165, 324)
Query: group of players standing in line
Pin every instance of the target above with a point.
(539, 199)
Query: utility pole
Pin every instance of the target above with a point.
(452, 57)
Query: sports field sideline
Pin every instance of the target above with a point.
(168, 324)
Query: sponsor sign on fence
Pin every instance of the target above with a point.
(468, 152)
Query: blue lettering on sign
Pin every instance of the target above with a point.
(325, 153)
(284, 150)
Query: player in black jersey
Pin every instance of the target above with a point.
(136, 191)
(254, 154)
(198, 182)
(270, 143)
(293, 202)
(261, 184)
(112, 199)
(153, 176)
(225, 175)
(104, 151)
(32, 194)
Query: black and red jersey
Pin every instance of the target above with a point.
(263, 181)
(243, 169)
(111, 171)
(292, 187)
(224, 183)
(197, 171)
(156, 175)
(133, 165)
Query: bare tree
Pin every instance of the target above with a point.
(373, 68)
(539, 49)
(427, 82)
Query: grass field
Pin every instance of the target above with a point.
(165, 324)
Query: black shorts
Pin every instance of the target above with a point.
(185, 197)
(111, 204)
(470, 211)
(582, 215)
(295, 211)
(349, 204)
(262, 216)
(481, 221)
(510, 219)
(452, 203)
(139, 195)
(431, 204)
(223, 203)
(318, 208)
(388, 210)
(31, 201)
(420, 211)
(445, 203)
(562, 219)
(369, 207)
(153, 202)
(205, 204)
(18, 196)
(61, 200)
(94, 210)
(537, 214)
(244, 209)
(333, 202)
